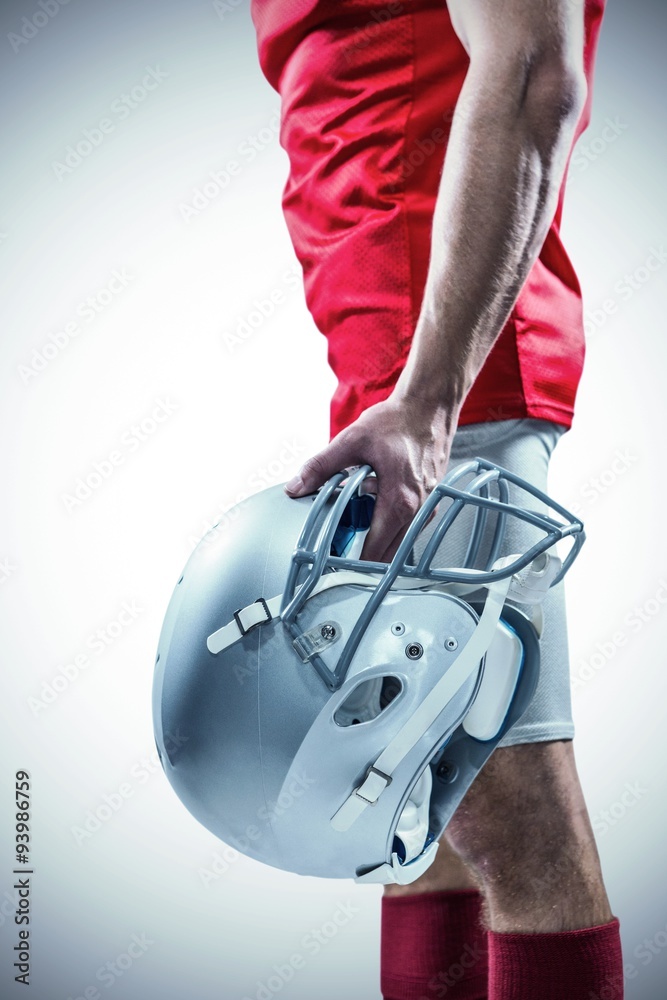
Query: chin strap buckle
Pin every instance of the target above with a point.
(373, 785)
(260, 612)
(252, 616)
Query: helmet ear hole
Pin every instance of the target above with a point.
(367, 700)
(391, 688)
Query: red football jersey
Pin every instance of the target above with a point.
(368, 93)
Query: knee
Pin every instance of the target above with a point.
(521, 833)
(524, 820)
(524, 827)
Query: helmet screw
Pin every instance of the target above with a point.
(328, 632)
(447, 771)
(451, 643)
(414, 650)
(398, 628)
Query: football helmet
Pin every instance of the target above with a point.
(332, 712)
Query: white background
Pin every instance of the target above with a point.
(240, 416)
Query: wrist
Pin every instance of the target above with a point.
(426, 405)
(440, 369)
(434, 389)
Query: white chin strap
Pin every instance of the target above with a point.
(262, 611)
(379, 775)
(528, 586)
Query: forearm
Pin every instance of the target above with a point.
(503, 170)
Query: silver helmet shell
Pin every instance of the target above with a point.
(280, 726)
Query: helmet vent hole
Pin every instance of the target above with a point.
(367, 701)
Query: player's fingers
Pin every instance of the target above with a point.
(395, 509)
(315, 472)
(392, 515)
(382, 547)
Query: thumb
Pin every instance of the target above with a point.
(315, 472)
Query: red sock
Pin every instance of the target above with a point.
(433, 946)
(572, 965)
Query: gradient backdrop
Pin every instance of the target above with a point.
(125, 298)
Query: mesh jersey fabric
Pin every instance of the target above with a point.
(368, 91)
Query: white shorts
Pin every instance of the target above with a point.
(524, 446)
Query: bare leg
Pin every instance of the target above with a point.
(523, 830)
(525, 826)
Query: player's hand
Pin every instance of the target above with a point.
(407, 443)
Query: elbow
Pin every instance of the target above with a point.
(553, 97)
(543, 86)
